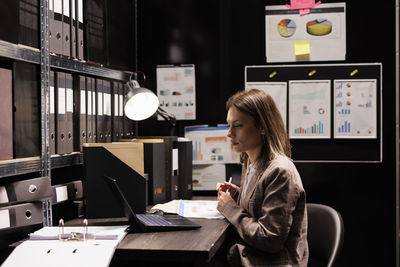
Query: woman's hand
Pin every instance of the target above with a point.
(223, 198)
(227, 186)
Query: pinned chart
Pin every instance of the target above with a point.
(355, 111)
(309, 109)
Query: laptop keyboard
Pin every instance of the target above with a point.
(153, 220)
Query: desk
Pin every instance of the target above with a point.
(178, 247)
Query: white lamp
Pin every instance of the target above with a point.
(141, 103)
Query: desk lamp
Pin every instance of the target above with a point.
(141, 103)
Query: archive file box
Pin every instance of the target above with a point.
(20, 215)
(122, 161)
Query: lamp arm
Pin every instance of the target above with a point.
(168, 117)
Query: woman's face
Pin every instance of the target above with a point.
(245, 137)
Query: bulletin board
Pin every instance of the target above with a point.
(332, 112)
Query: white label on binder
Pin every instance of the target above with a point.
(66, 9)
(51, 99)
(116, 101)
(100, 104)
(175, 162)
(83, 102)
(3, 195)
(61, 193)
(80, 11)
(4, 219)
(58, 6)
(107, 104)
(121, 105)
(61, 100)
(70, 100)
(89, 103)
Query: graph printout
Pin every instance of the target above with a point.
(309, 109)
(278, 92)
(355, 109)
(211, 144)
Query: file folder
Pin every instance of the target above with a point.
(52, 37)
(66, 27)
(69, 105)
(67, 192)
(94, 110)
(128, 123)
(57, 28)
(26, 110)
(123, 160)
(29, 22)
(61, 114)
(52, 116)
(121, 110)
(6, 111)
(80, 44)
(21, 215)
(185, 168)
(26, 191)
(107, 111)
(100, 125)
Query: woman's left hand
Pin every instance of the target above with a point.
(223, 198)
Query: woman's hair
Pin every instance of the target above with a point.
(262, 108)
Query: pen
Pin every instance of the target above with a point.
(230, 181)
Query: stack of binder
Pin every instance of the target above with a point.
(21, 202)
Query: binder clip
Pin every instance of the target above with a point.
(74, 236)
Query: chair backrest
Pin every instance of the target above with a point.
(325, 234)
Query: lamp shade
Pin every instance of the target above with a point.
(140, 103)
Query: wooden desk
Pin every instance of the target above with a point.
(189, 246)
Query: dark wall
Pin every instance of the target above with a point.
(221, 37)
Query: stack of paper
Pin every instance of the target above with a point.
(191, 208)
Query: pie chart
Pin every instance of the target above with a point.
(319, 27)
(286, 28)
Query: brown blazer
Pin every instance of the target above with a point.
(271, 221)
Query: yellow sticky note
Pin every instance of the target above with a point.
(302, 48)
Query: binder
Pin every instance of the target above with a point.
(6, 111)
(95, 41)
(57, 28)
(121, 110)
(121, 161)
(21, 215)
(89, 117)
(66, 27)
(94, 110)
(9, 21)
(128, 123)
(69, 108)
(26, 191)
(52, 32)
(52, 115)
(26, 110)
(61, 114)
(100, 125)
(73, 26)
(80, 44)
(185, 168)
(67, 192)
(107, 111)
(115, 112)
(80, 99)
(29, 20)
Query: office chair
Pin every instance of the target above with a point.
(325, 235)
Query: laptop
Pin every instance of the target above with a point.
(148, 222)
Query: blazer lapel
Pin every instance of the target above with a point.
(251, 187)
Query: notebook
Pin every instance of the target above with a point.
(148, 222)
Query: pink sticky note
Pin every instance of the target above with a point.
(302, 4)
(304, 11)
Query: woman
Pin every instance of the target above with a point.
(268, 211)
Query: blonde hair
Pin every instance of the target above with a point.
(262, 108)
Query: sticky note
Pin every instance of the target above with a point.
(302, 48)
(302, 4)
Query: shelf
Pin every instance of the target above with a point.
(29, 165)
(32, 55)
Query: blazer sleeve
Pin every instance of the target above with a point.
(272, 206)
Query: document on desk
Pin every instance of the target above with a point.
(191, 208)
(43, 250)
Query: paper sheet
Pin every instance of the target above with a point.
(191, 208)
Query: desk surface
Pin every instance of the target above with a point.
(189, 245)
